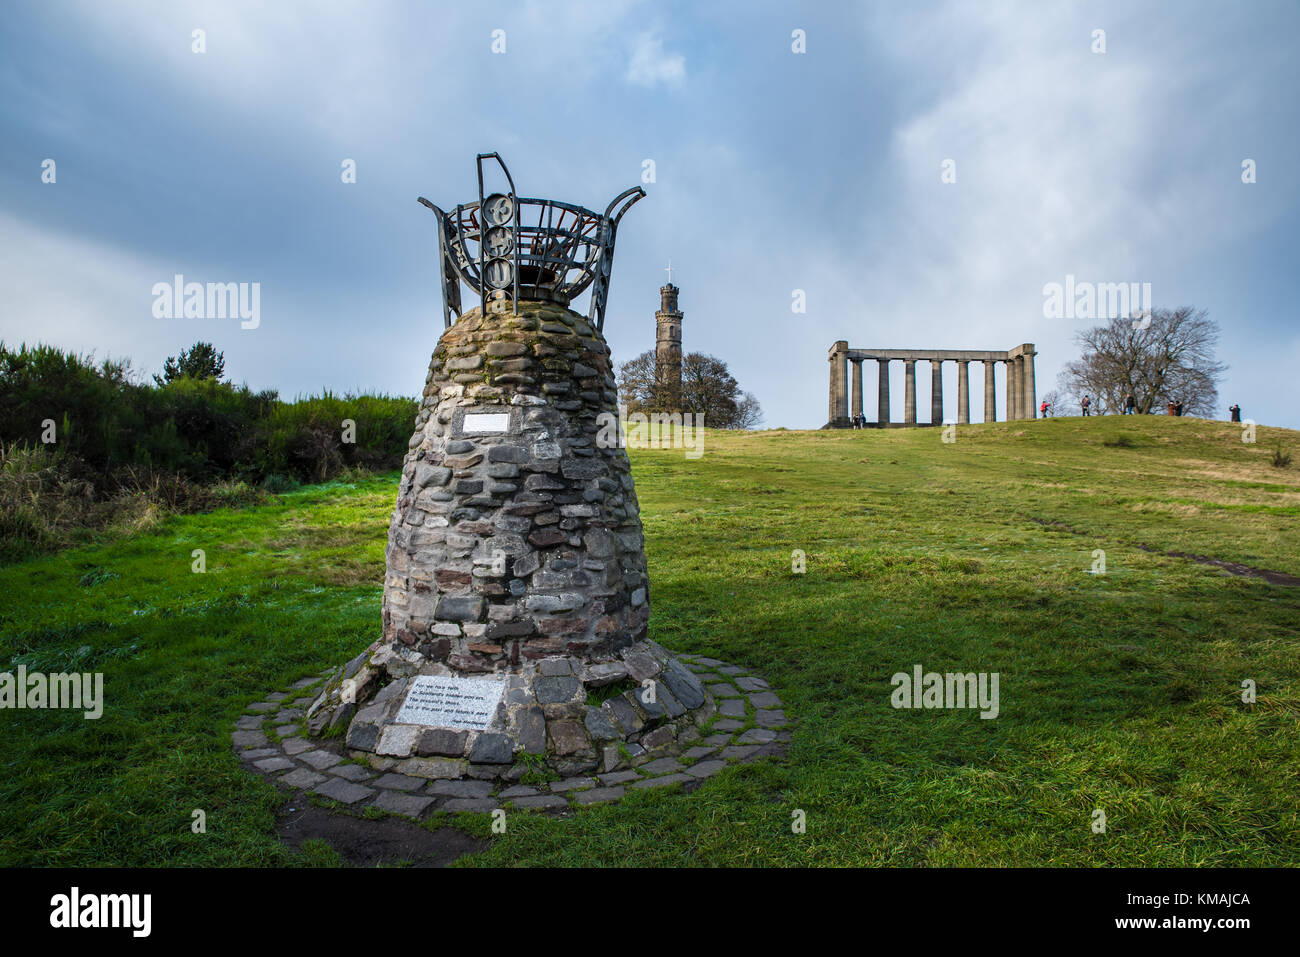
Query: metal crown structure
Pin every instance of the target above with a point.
(505, 247)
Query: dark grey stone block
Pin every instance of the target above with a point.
(459, 608)
(683, 684)
(492, 749)
(363, 737)
(461, 789)
(625, 713)
(531, 730)
(600, 725)
(409, 805)
(441, 741)
(345, 792)
(398, 782)
(557, 689)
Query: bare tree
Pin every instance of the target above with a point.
(708, 389)
(749, 415)
(636, 383)
(1166, 357)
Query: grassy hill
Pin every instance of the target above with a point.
(1119, 691)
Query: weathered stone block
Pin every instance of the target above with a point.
(569, 737)
(459, 608)
(530, 730)
(492, 749)
(600, 724)
(441, 741)
(555, 690)
(362, 736)
(397, 740)
(629, 717)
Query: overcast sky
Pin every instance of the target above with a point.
(774, 171)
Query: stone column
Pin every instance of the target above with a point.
(1031, 395)
(936, 392)
(882, 395)
(839, 391)
(990, 392)
(1013, 390)
(909, 391)
(1020, 387)
(963, 392)
(857, 389)
(1025, 411)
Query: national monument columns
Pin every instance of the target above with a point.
(1021, 396)
(909, 394)
(1013, 389)
(882, 394)
(839, 396)
(963, 392)
(936, 391)
(857, 389)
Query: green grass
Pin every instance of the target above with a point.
(1118, 691)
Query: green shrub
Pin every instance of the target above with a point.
(200, 429)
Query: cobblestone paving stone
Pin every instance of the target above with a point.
(749, 724)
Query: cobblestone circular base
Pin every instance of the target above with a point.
(270, 739)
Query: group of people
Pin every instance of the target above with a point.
(1129, 407)
(859, 421)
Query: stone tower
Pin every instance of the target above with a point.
(668, 350)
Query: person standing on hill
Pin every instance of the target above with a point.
(1044, 409)
(1234, 413)
(1087, 405)
(1178, 408)
(1130, 404)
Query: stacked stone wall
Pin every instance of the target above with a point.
(523, 542)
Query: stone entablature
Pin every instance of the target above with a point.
(1020, 386)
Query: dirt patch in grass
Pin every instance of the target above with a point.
(1235, 568)
(1172, 508)
(366, 843)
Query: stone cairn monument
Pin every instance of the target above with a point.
(516, 599)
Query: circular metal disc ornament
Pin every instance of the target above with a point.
(498, 209)
(498, 241)
(498, 273)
